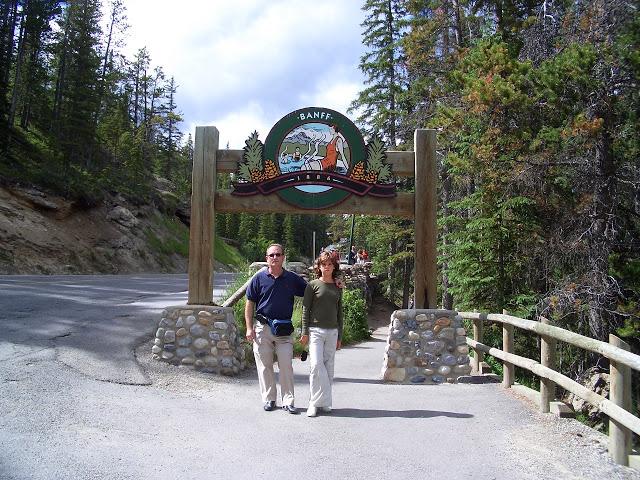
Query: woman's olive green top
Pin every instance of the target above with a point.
(322, 307)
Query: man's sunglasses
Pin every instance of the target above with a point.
(274, 255)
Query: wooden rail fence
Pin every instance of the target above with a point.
(621, 421)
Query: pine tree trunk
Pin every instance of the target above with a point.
(25, 114)
(60, 78)
(17, 82)
(603, 230)
(457, 25)
(9, 15)
(406, 282)
(391, 272)
(447, 297)
(392, 77)
(103, 75)
(501, 267)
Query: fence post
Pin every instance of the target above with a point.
(478, 356)
(507, 346)
(547, 359)
(620, 394)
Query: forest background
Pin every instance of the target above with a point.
(536, 104)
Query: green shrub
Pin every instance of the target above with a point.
(238, 308)
(355, 325)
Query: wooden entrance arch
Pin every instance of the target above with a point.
(209, 160)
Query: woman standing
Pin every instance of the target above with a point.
(322, 329)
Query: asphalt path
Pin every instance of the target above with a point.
(79, 402)
(94, 321)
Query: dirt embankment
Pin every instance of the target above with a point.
(47, 234)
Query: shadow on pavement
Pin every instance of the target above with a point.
(364, 413)
(357, 380)
(364, 342)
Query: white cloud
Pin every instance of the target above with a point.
(338, 95)
(236, 126)
(243, 64)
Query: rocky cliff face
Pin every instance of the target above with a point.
(46, 234)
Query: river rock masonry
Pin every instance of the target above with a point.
(202, 336)
(425, 346)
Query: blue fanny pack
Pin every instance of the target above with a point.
(279, 327)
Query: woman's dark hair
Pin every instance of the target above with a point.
(325, 257)
(335, 127)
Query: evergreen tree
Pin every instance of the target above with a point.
(137, 80)
(267, 227)
(508, 15)
(116, 27)
(383, 66)
(233, 225)
(30, 97)
(289, 236)
(170, 135)
(8, 20)
(221, 225)
(77, 99)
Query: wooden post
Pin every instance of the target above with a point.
(201, 234)
(620, 394)
(478, 357)
(508, 374)
(425, 219)
(547, 359)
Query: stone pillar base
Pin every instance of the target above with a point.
(202, 336)
(425, 346)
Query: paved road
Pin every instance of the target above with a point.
(94, 321)
(77, 404)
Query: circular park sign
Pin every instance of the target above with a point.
(314, 158)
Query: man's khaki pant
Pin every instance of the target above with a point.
(264, 347)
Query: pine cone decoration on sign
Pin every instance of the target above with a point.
(371, 177)
(257, 176)
(270, 169)
(358, 171)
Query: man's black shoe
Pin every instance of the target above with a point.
(290, 409)
(270, 405)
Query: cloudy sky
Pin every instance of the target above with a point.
(241, 65)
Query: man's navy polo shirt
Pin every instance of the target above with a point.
(274, 296)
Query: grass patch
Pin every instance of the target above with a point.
(174, 239)
(228, 254)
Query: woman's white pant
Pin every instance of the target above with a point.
(322, 353)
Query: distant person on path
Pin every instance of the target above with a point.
(322, 329)
(352, 256)
(271, 294)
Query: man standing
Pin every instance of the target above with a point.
(271, 293)
(353, 255)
